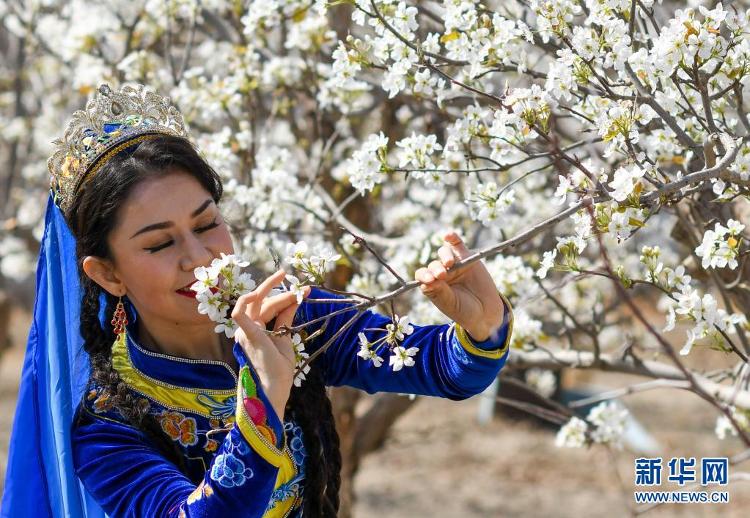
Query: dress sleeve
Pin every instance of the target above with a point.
(448, 362)
(128, 476)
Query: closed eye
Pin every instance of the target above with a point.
(211, 225)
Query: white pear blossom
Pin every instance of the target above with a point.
(212, 305)
(426, 84)
(325, 259)
(709, 320)
(542, 380)
(300, 357)
(398, 329)
(394, 79)
(676, 278)
(227, 326)
(417, 151)
(548, 261)
(724, 426)
(297, 287)
(719, 248)
(366, 352)
(217, 286)
(314, 261)
(608, 421)
(296, 253)
(487, 202)
(572, 434)
(624, 181)
(623, 222)
(365, 168)
(609, 418)
(402, 357)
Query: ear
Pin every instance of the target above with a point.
(102, 272)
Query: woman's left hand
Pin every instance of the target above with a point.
(468, 295)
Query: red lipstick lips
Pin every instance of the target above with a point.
(185, 291)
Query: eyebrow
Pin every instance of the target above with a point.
(167, 224)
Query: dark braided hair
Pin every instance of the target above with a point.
(92, 216)
(314, 415)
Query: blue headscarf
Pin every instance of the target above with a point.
(40, 476)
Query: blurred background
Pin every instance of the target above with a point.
(281, 101)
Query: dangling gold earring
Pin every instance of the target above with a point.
(119, 319)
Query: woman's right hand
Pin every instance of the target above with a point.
(272, 357)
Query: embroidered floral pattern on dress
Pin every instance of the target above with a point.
(291, 489)
(102, 403)
(179, 427)
(228, 470)
(218, 408)
(254, 407)
(296, 446)
(460, 353)
(294, 487)
(202, 491)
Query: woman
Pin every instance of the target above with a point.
(177, 420)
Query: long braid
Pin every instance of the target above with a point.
(98, 344)
(312, 411)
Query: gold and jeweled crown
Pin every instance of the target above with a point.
(111, 122)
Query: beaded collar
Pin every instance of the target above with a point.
(204, 387)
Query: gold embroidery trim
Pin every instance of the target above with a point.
(259, 443)
(170, 396)
(468, 344)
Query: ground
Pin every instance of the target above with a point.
(439, 462)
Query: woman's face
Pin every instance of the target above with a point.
(167, 227)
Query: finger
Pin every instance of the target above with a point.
(260, 349)
(254, 333)
(286, 316)
(437, 270)
(441, 295)
(456, 243)
(446, 256)
(263, 290)
(273, 306)
(240, 307)
(423, 275)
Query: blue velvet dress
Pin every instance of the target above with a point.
(242, 460)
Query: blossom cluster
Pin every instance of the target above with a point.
(396, 331)
(685, 303)
(314, 263)
(219, 285)
(724, 426)
(367, 165)
(607, 420)
(721, 246)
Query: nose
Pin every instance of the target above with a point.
(195, 254)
